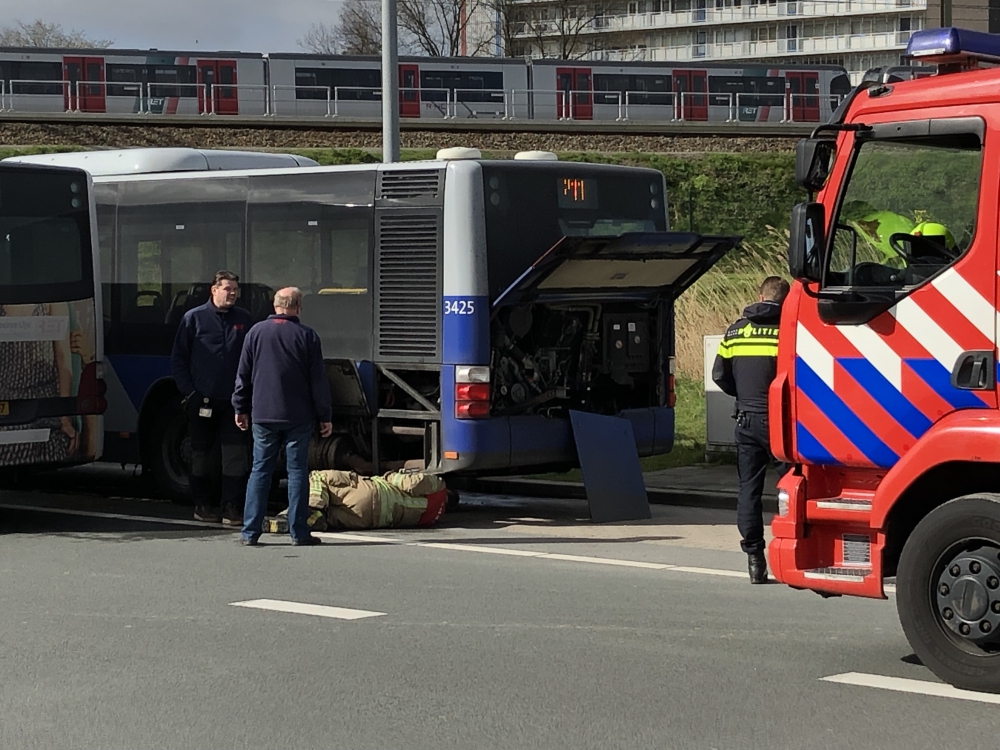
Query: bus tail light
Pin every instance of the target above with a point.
(472, 392)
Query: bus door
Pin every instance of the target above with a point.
(409, 90)
(78, 72)
(218, 79)
(575, 99)
(691, 87)
(803, 93)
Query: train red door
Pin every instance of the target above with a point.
(84, 84)
(409, 90)
(217, 92)
(691, 88)
(575, 96)
(803, 95)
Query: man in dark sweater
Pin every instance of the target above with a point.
(204, 361)
(744, 368)
(281, 386)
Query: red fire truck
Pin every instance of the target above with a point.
(886, 398)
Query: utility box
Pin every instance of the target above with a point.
(719, 407)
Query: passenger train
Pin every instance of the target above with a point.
(156, 82)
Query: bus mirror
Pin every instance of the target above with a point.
(813, 162)
(806, 242)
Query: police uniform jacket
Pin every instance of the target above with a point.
(748, 355)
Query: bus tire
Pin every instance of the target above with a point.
(948, 592)
(168, 453)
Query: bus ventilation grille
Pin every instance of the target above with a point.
(408, 279)
(410, 183)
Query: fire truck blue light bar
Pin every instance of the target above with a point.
(955, 44)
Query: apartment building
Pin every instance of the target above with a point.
(857, 34)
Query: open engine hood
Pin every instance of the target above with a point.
(631, 266)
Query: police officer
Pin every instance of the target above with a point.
(205, 357)
(744, 368)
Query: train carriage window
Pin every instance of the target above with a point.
(128, 78)
(173, 81)
(655, 89)
(345, 84)
(310, 84)
(227, 75)
(33, 75)
(435, 84)
(480, 86)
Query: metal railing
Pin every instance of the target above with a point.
(495, 96)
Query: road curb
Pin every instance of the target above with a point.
(683, 496)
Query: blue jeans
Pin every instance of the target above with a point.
(267, 441)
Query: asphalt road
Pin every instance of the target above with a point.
(516, 624)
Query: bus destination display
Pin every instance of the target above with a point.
(577, 192)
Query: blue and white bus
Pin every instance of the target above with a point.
(465, 305)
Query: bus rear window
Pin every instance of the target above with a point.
(531, 207)
(45, 252)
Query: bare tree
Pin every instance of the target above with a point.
(552, 28)
(38, 33)
(357, 31)
(438, 28)
(441, 28)
(321, 39)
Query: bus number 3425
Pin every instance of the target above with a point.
(459, 306)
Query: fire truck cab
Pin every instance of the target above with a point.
(886, 398)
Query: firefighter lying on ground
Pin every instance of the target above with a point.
(345, 500)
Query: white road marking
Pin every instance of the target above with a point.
(710, 571)
(487, 550)
(902, 685)
(350, 536)
(298, 608)
(607, 561)
(112, 516)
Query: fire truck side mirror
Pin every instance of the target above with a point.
(813, 162)
(807, 242)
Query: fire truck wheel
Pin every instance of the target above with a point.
(169, 452)
(948, 592)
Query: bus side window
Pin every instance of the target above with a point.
(167, 256)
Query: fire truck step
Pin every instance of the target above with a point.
(848, 575)
(853, 507)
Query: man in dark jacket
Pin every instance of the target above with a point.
(281, 385)
(204, 360)
(744, 368)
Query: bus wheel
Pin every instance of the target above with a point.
(169, 452)
(948, 592)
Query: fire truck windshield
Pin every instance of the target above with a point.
(908, 211)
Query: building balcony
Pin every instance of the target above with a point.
(828, 45)
(785, 10)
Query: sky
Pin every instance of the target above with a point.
(187, 25)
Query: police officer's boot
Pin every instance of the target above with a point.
(758, 567)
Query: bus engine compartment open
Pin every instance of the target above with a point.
(597, 357)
